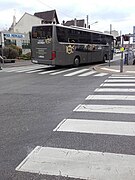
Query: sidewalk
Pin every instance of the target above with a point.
(127, 69)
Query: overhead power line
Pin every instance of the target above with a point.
(60, 11)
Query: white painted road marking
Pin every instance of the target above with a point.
(121, 77)
(110, 97)
(97, 127)
(76, 72)
(108, 69)
(47, 72)
(130, 71)
(114, 90)
(23, 68)
(120, 80)
(38, 70)
(117, 84)
(101, 74)
(79, 164)
(87, 73)
(105, 109)
(63, 71)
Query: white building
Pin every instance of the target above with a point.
(25, 24)
(24, 27)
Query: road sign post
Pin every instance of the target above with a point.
(121, 59)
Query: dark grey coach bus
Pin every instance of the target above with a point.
(59, 45)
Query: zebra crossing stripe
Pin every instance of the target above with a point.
(121, 77)
(130, 71)
(33, 71)
(79, 164)
(105, 109)
(87, 73)
(114, 90)
(63, 71)
(14, 69)
(97, 127)
(117, 84)
(101, 74)
(120, 80)
(76, 72)
(110, 97)
(47, 72)
(26, 70)
(42, 70)
(23, 69)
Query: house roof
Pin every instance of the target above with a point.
(48, 16)
(79, 23)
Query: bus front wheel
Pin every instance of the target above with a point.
(76, 61)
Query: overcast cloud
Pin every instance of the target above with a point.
(121, 14)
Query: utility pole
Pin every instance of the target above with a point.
(87, 20)
(2, 46)
(128, 49)
(110, 28)
(75, 22)
(110, 46)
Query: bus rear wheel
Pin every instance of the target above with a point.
(76, 61)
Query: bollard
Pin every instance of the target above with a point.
(1, 60)
(134, 62)
(126, 59)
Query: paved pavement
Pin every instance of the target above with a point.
(127, 69)
(103, 68)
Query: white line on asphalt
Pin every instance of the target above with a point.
(101, 74)
(114, 90)
(27, 68)
(110, 97)
(79, 164)
(97, 127)
(87, 73)
(105, 109)
(38, 70)
(108, 69)
(120, 80)
(63, 71)
(47, 72)
(121, 77)
(117, 84)
(76, 72)
(130, 71)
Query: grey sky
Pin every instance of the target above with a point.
(118, 13)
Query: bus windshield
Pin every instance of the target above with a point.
(40, 32)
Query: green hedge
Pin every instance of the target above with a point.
(11, 52)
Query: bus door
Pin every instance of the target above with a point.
(96, 53)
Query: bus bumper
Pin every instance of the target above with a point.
(45, 62)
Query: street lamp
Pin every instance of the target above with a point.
(94, 23)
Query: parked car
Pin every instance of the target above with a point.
(6, 60)
(117, 51)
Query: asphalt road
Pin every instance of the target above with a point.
(33, 104)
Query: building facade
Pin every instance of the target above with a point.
(19, 33)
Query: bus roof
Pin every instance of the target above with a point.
(76, 28)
